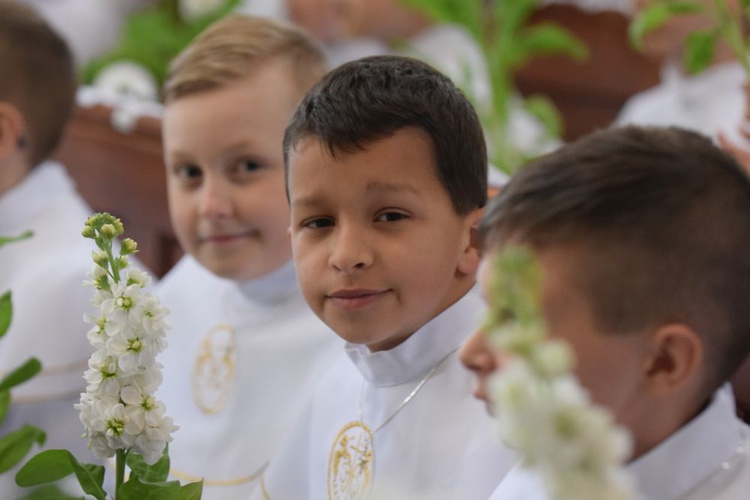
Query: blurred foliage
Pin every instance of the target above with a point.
(726, 21)
(502, 30)
(15, 445)
(154, 35)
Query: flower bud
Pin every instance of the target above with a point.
(128, 246)
(88, 232)
(108, 230)
(99, 258)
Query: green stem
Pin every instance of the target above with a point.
(120, 458)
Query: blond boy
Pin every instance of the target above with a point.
(245, 347)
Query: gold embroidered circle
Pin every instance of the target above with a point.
(350, 462)
(214, 369)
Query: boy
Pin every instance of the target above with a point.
(45, 272)
(641, 235)
(245, 346)
(386, 177)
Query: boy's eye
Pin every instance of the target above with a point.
(188, 171)
(391, 217)
(248, 166)
(318, 223)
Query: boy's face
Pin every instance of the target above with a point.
(378, 247)
(607, 365)
(225, 173)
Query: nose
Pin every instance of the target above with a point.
(351, 250)
(214, 199)
(478, 355)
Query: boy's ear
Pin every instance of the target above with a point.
(468, 263)
(674, 360)
(11, 129)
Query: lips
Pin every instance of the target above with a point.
(227, 237)
(356, 298)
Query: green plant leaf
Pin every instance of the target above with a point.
(50, 492)
(53, 465)
(15, 446)
(31, 367)
(6, 312)
(4, 405)
(45, 467)
(699, 50)
(4, 240)
(544, 110)
(467, 13)
(135, 489)
(191, 491)
(155, 473)
(550, 39)
(657, 15)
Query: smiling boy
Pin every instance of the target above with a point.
(386, 176)
(246, 349)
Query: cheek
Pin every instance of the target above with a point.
(182, 214)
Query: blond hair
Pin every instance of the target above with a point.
(38, 76)
(233, 48)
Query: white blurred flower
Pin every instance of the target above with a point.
(574, 446)
(128, 78)
(118, 409)
(193, 9)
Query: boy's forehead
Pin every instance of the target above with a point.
(398, 163)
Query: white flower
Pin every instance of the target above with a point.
(128, 78)
(543, 412)
(193, 9)
(118, 409)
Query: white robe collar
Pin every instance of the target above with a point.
(271, 289)
(420, 352)
(695, 454)
(33, 193)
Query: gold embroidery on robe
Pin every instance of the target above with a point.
(214, 369)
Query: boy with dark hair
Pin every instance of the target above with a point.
(45, 272)
(642, 236)
(387, 177)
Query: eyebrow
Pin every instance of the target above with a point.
(372, 187)
(390, 187)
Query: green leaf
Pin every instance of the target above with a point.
(50, 492)
(657, 15)
(149, 473)
(544, 110)
(53, 465)
(4, 405)
(191, 491)
(699, 50)
(15, 446)
(6, 312)
(45, 467)
(135, 489)
(4, 240)
(31, 367)
(550, 39)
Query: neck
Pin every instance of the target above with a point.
(658, 426)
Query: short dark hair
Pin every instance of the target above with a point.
(372, 98)
(660, 221)
(39, 76)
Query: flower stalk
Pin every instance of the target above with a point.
(118, 410)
